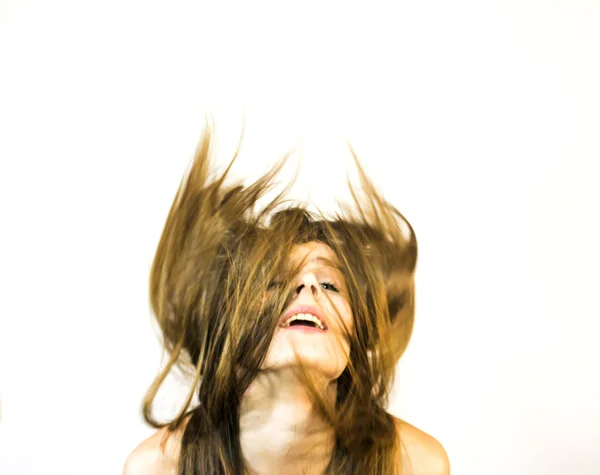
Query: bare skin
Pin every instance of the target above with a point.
(280, 431)
(422, 454)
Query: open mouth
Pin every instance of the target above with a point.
(306, 320)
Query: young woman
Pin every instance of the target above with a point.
(291, 324)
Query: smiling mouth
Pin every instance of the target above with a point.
(306, 320)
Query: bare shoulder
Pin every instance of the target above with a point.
(157, 455)
(422, 454)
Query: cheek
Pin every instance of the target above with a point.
(348, 317)
(343, 312)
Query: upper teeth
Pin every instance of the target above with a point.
(305, 316)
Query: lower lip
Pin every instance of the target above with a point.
(304, 328)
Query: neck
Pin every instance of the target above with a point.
(281, 431)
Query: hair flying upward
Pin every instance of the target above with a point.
(219, 283)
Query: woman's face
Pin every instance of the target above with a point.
(312, 326)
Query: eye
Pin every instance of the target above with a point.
(274, 285)
(329, 286)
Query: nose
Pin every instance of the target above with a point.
(308, 283)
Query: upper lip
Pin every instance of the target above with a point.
(296, 309)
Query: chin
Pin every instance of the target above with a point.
(322, 360)
(318, 369)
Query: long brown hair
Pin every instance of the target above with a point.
(216, 259)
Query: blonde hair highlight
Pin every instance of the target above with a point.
(214, 263)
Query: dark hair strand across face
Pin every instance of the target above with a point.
(216, 259)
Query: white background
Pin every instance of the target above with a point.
(480, 120)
